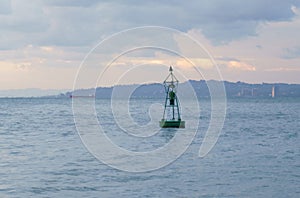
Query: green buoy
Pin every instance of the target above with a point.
(171, 117)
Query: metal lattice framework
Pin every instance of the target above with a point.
(171, 103)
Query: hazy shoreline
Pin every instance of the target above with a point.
(156, 90)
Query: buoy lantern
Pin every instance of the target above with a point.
(171, 116)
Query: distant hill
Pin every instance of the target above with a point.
(233, 90)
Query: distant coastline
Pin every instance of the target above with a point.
(33, 92)
(156, 90)
(233, 90)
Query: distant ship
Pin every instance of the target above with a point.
(78, 96)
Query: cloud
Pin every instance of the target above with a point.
(237, 65)
(25, 66)
(291, 53)
(220, 21)
(7, 66)
(82, 23)
(47, 49)
(24, 18)
(5, 7)
(24, 25)
(57, 34)
(283, 69)
(71, 3)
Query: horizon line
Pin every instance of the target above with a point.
(130, 84)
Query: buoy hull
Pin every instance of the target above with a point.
(172, 123)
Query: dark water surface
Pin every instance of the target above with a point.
(257, 154)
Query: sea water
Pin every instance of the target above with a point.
(256, 155)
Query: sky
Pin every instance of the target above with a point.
(44, 42)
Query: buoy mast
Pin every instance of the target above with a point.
(171, 103)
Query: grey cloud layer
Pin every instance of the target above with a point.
(79, 23)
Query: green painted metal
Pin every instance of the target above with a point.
(172, 124)
(171, 104)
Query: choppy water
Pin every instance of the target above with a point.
(257, 155)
